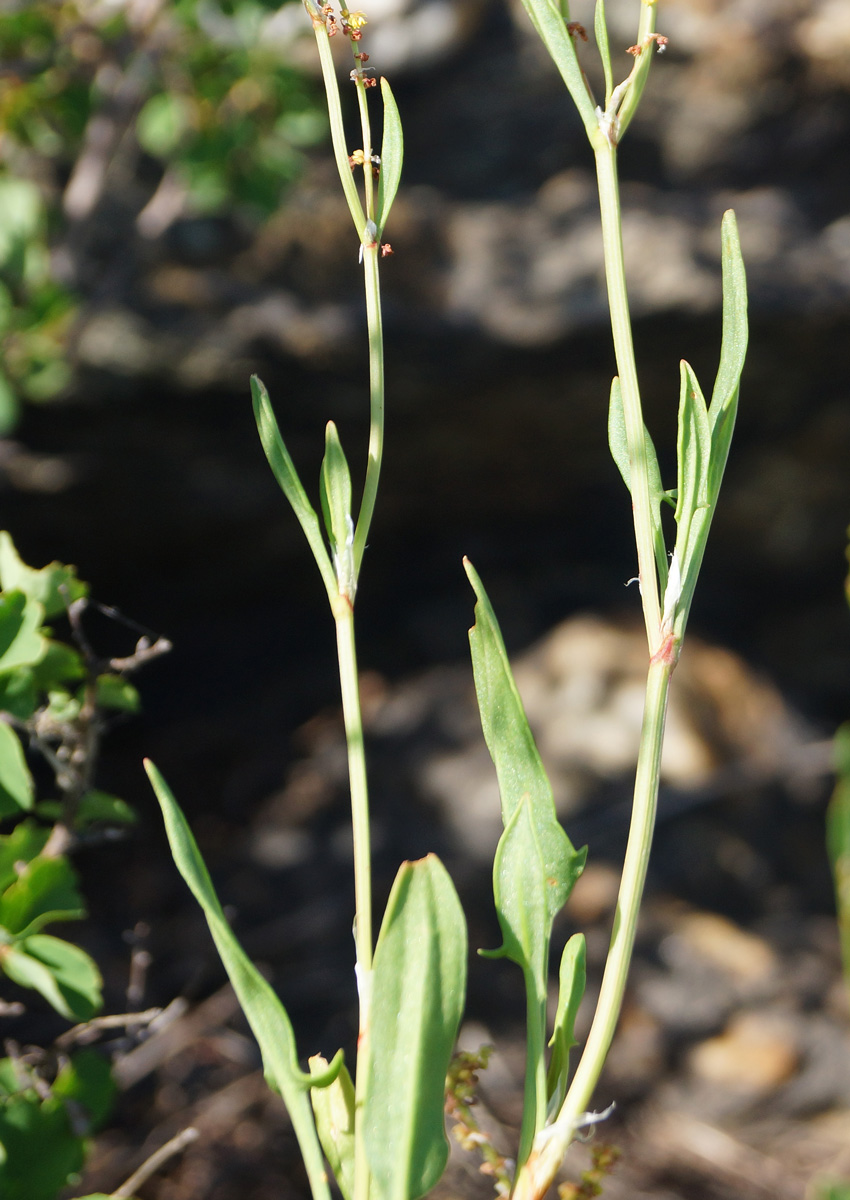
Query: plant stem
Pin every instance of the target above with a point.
(621, 328)
(353, 718)
(534, 1103)
(376, 402)
(540, 1170)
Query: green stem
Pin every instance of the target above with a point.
(347, 654)
(376, 402)
(621, 327)
(534, 1105)
(538, 1173)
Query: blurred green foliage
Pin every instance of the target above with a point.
(198, 92)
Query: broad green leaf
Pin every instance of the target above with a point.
(54, 586)
(333, 1108)
(392, 155)
(115, 692)
(335, 488)
(600, 29)
(41, 1153)
(287, 477)
(618, 444)
(552, 29)
(22, 845)
(418, 988)
(86, 1081)
(101, 808)
(21, 643)
(28, 972)
(264, 1011)
(838, 840)
(16, 786)
(76, 974)
(572, 981)
(58, 665)
(724, 398)
(18, 695)
(44, 891)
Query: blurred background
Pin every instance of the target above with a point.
(171, 221)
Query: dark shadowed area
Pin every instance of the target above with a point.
(731, 1070)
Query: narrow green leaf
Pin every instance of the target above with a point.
(724, 398)
(287, 477)
(600, 29)
(264, 1011)
(335, 487)
(333, 1108)
(572, 982)
(552, 29)
(99, 808)
(646, 27)
(418, 988)
(16, 786)
(520, 772)
(618, 444)
(54, 586)
(392, 156)
(693, 449)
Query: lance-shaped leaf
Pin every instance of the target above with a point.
(418, 988)
(536, 865)
(335, 487)
(286, 475)
(572, 982)
(618, 444)
(333, 1108)
(693, 449)
(520, 771)
(600, 29)
(392, 156)
(733, 350)
(264, 1011)
(552, 29)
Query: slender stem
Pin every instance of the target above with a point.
(615, 273)
(352, 715)
(540, 1170)
(376, 402)
(534, 1104)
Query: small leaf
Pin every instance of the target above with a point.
(22, 845)
(18, 693)
(335, 487)
(392, 155)
(44, 891)
(618, 444)
(418, 987)
(41, 1152)
(552, 29)
(86, 1081)
(21, 643)
(724, 398)
(16, 786)
(264, 1011)
(572, 982)
(58, 665)
(333, 1108)
(54, 586)
(287, 477)
(693, 451)
(99, 808)
(115, 692)
(600, 29)
(75, 972)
